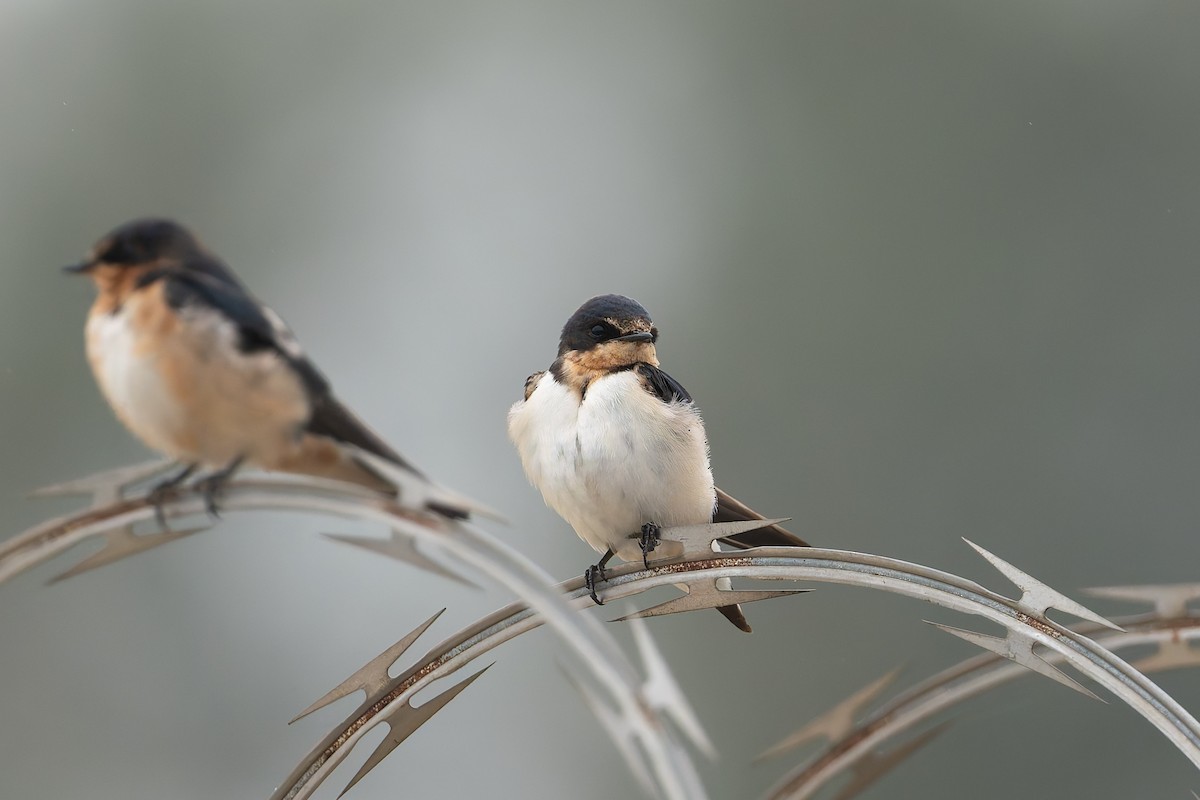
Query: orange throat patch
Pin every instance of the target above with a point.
(114, 285)
(577, 369)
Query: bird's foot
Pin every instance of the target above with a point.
(595, 574)
(651, 536)
(211, 486)
(158, 493)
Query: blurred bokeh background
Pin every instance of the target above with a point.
(929, 268)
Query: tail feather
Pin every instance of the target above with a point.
(333, 420)
(324, 458)
(730, 509)
(734, 614)
(333, 425)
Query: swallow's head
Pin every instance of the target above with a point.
(118, 261)
(135, 247)
(608, 332)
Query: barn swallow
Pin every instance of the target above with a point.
(617, 446)
(200, 370)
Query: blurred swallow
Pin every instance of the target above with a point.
(200, 370)
(617, 447)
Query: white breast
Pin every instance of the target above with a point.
(185, 388)
(616, 461)
(130, 382)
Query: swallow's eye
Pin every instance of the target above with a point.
(599, 331)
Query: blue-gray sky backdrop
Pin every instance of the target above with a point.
(930, 269)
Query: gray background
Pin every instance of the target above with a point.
(929, 268)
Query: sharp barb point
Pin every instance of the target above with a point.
(697, 540)
(1170, 601)
(106, 485)
(1017, 648)
(1170, 655)
(703, 593)
(619, 732)
(418, 492)
(874, 767)
(662, 691)
(404, 720)
(372, 678)
(835, 723)
(1037, 596)
(119, 544)
(401, 548)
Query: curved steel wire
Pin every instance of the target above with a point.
(643, 718)
(856, 747)
(768, 564)
(700, 572)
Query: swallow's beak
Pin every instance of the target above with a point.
(640, 336)
(78, 269)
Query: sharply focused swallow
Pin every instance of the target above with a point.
(617, 447)
(200, 370)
